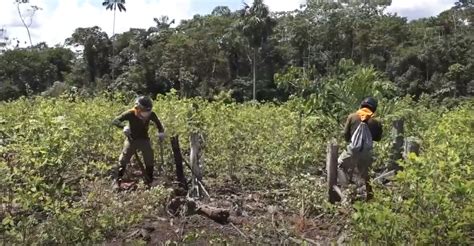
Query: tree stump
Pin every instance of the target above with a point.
(397, 144)
(178, 160)
(331, 169)
(196, 165)
(412, 145)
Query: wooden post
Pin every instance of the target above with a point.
(196, 164)
(412, 145)
(178, 160)
(397, 144)
(331, 169)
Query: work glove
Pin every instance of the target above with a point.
(161, 136)
(127, 132)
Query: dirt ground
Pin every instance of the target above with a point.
(256, 217)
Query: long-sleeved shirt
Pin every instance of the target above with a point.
(138, 127)
(353, 122)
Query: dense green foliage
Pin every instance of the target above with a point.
(54, 159)
(312, 67)
(432, 201)
(27, 72)
(57, 155)
(219, 52)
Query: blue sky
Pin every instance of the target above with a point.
(58, 18)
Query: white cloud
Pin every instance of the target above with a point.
(419, 8)
(284, 5)
(436, 5)
(55, 25)
(409, 8)
(59, 18)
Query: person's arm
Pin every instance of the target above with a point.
(347, 129)
(157, 122)
(118, 122)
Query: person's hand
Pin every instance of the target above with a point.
(127, 132)
(161, 136)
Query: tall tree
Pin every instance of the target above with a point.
(30, 71)
(113, 5)
(28, 19)
(96, 51)
(257, 26)
(163, 23)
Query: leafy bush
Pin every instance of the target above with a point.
(247, 140)
(432, 199)
(56, 160)
(59, 152)
(57, 155)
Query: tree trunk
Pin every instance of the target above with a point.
(397, 144)
(178, 160)
(254, 71)
(411, 145)
(331, 169)
(196, 164)
(113, 46)
(113, 25)
(24, 24)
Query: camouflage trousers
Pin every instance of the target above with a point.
(353, 168)
(129, 149)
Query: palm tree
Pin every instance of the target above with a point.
(112, 5)
(256, 24)
(163, 23)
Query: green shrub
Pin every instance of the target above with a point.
(56, 158)
(61, 152)
(432, 199)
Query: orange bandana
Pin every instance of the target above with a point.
(135, 111)
(365, 114)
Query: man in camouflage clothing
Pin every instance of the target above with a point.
(137, 139)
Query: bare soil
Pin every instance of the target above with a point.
(256, 217)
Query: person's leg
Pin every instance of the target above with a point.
(346, 165)
(148, 158)
(364, 165)
(127, 153)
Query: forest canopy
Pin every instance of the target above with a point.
(219, 52)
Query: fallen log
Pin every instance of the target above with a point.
(219, 215)
(190, 207)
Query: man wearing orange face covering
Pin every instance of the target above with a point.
(137, 137)
(360, 130)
